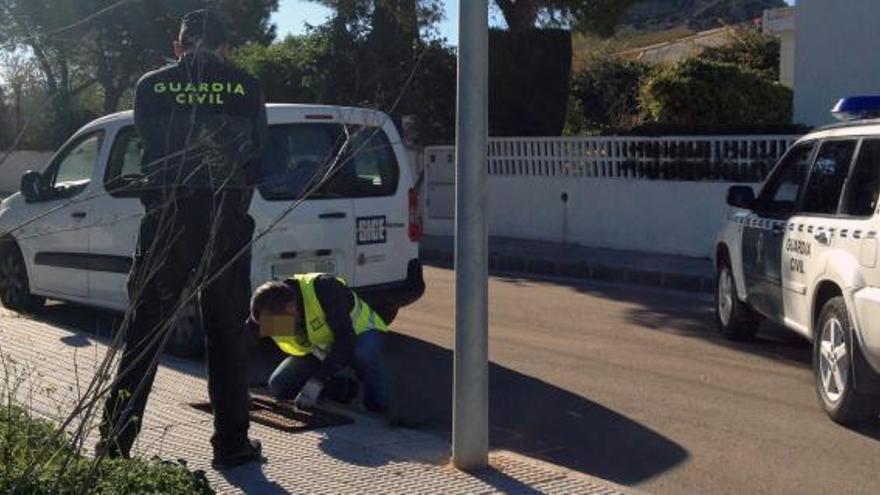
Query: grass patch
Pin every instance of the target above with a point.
(26, 441)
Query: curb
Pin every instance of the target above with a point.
(581, 270)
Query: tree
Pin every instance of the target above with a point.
(112, 43)
(378, 53)
(287, 70)
(46, 29)
(127, 41)
(597, 16)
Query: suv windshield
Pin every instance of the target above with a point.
(295, 153)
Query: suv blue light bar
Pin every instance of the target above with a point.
(857, 107)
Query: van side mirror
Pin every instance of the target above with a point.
(32, 186)
(741, 197)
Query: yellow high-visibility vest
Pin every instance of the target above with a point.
(318, 334)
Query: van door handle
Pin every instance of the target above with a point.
(78, 215)
(822, 238)
(337, 214)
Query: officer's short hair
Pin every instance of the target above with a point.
(272, 297)
(206, 28)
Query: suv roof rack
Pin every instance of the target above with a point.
(850, 123)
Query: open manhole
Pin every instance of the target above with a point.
(285, 417)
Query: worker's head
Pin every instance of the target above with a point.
(273, 308)
(203, 29)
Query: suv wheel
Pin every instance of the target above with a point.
(15, 288)
(735, 320)
(832, 365)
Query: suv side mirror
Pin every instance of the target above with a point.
(741, 197)
(32, 186)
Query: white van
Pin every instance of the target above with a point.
(67, 237)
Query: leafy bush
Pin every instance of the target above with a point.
(605, 95)
(749, 48)
(25, 441)
(703, 92)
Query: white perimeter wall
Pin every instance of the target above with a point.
(679, 218)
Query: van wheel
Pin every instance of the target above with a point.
(832, 366)
(735, 320)
(15, 288)
(187, 338)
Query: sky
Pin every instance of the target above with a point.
(294, 14)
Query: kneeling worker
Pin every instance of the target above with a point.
(324, 327)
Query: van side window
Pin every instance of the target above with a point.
(125, 161)
(860, 198)
(71, 171)
(827, 177)
(298, 155)
(373, 169)
(780, 194)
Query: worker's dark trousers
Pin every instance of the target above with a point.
(174, 245)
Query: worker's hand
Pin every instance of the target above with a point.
(309, 394)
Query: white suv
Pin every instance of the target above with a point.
(71, 231)
(804, 254)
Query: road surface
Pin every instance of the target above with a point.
(634, 385)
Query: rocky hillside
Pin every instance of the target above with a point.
(697, 15)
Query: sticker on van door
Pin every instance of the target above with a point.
(371, 230)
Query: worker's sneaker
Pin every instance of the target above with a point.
(252, 451)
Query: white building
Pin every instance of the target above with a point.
(781, 23)
(837, 53)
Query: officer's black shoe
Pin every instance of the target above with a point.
(252, 451)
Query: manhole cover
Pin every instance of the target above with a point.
(285, 417)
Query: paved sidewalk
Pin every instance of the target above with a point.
(608, 265)
(365, 457)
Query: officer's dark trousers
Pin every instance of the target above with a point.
(176, 252)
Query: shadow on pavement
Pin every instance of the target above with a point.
(531, 417)
(871, 431)
(504, 483)
(250, 479)
(686, 314)
(90, 325)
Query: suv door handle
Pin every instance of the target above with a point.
(337, 214)
(78, 214)
(822, 238)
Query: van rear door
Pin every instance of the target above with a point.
(380, 190)
(318, 234)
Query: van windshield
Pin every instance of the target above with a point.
(296, 153)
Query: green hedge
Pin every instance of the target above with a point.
(703, 92)
(25, 441)
(529, 76)
(605, 95)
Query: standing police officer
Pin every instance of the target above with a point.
(203, 124)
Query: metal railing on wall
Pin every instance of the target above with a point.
(679, 158)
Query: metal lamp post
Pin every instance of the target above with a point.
(470, 417)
